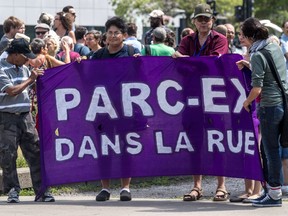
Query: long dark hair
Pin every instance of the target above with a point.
(252, 28)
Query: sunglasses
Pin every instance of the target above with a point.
(203, 18)
(41, 32)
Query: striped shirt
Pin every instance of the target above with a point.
(10, 75)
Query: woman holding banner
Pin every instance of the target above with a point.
(271, 109)
(203, 42)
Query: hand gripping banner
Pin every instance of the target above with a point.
(146, 116)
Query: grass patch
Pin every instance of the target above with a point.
(21, 162)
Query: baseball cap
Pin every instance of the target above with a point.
(202, 10)
(42, 25)
(20, 45)
(159, 33)
(156, 13)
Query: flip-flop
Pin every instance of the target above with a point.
(240, 198)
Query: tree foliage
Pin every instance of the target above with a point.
(275, 10)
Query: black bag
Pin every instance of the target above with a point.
(284, 124)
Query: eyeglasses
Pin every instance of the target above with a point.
(115, 34)
(203, 18)
(41, 32)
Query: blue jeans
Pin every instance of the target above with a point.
(270, 119)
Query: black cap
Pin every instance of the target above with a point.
(20, 45)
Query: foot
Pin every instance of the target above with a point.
(125, 195)
(267, 201)
(195, 194)
(284, 189)
(221, 195)
(240, 198)
(13, 196)
(46, 197)
(104, 195)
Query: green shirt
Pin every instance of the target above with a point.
(262, 75)
(159, 50)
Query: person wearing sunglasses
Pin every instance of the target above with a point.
(203, 42)
(41, 30)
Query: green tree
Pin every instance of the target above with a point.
(274, 10)
(124, 8)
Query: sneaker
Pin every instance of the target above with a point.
(284, 189)
(268, 202)
(104, 195)
(125, 195)
(46, 197)
(13, 196)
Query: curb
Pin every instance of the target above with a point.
(24, 178)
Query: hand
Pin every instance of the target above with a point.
(65, 46)
(247, 105)
(241, 64)
(178, 54)
(136, 55)
(35, 72)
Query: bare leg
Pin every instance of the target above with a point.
(125, 183)
(249, 186)
(197, 181)
(221, 183)
(285, 171)
(221, 192)
(105, 183)
(196, 192)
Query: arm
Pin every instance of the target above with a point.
(254, 93)
(72, 35)
(66, 49)
(55, 62)
(17, 89)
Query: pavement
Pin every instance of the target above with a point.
(86, 205)
(152, 200)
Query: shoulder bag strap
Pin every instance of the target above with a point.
(274, 71)
(147, 50)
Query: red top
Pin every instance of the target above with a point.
(215, 45)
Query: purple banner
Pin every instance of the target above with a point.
(146, 116)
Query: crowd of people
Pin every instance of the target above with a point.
(59, 41)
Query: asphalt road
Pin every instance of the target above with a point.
(86, 205)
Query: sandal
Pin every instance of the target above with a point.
(193, 197)
(221, 195)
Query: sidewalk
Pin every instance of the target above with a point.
(86, 205)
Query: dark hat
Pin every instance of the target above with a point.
(202, 10)
(20, 45)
